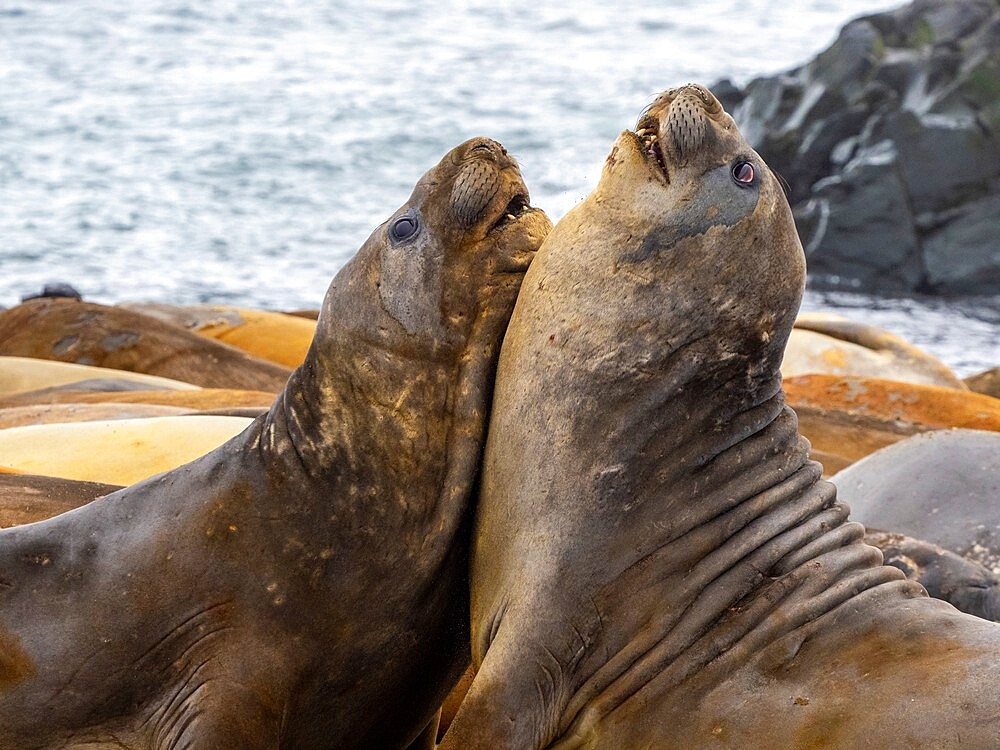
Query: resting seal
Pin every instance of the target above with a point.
(273, 336)
(26, 498)
(114, 451)
(656, 562)
(942, 487)
(26, 416)
(84, 333)
(81, 393)
(302, 586)
(824, 343)
(965, 584)
(21, 374)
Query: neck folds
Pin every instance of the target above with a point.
(763, 549)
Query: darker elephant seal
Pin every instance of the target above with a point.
(656, 562)
(302, 586)
(942, 488)
(965, 584)
(68, 330)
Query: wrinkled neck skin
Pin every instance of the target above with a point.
(703, 524)
(372, 405)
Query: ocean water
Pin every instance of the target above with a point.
(240, 150)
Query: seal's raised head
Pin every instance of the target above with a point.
(695, 195)
(455, 252)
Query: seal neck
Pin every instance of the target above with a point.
(756, 547)
(389, 422)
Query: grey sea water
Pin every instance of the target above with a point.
(241, 150)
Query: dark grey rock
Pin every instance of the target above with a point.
(865, 229)
(889, 141)
(964, 255)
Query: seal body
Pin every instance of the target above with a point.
(942, 487)
(272, 336)
(93, 392)
(114, 451)
(656, 562)
(823, 343)
(966, 584)
(84, 333)
(26, 416)
(302, 586)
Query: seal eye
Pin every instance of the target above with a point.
(743, 172)
(403, 228)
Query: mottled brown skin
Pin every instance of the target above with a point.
(27, 498)
(304, 585)
(656, 562)
(72, 331)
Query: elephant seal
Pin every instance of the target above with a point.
(304, 585)
(269, 335)
(823, 343)
(986, 382)
(846, 418)
(965, 584)
(26, 498)
(88, 334)
(656, 562)
(114, 451)
(942, 487)
(19, 374)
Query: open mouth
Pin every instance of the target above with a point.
(517, 207)
(647, 132)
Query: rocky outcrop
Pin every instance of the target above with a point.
(889, 141)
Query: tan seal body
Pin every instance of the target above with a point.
(272, 336)
(847, 418)
(22, 374)
(986, 382)
(822, 343)
(116, 451)
(71, 331)
(656, 562)
(303, 586)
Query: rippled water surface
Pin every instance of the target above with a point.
(242, 150)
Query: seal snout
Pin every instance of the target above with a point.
(488, 186)
(676, 125)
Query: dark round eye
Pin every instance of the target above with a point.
(743, 172)
(403, 228)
